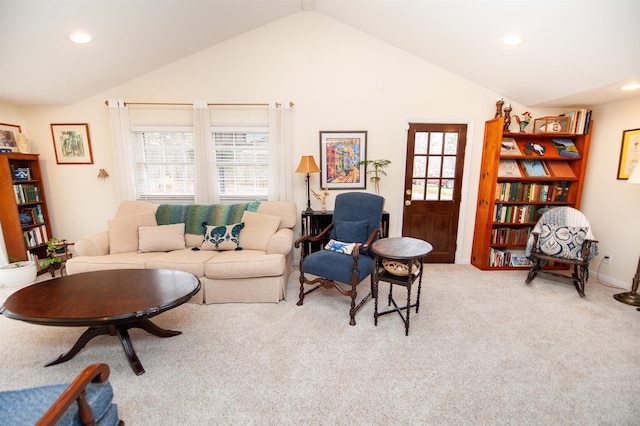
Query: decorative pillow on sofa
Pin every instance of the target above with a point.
(123, 231)
(222, 237)
(562, 241)
(340, 247)
(258, 230)
(161, 238)
(352, 232)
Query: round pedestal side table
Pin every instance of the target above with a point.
(399, 262)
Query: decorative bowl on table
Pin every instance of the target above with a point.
(399, 268)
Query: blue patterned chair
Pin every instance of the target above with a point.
(356, 219)
(85, 401)
(562, 235)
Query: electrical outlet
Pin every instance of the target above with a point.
(607, 259)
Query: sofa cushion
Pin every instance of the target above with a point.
(123, 231)
(258, 230)
(244, 264)
(222, 237)
(128, 260)
(161, 238)
(182, 260)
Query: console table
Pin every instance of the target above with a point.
(408, 256)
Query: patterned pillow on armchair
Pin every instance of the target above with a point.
(562, 241)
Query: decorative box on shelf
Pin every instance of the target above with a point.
(552, 125)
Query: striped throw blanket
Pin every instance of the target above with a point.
(196, 217)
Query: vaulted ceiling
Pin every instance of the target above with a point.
(575, 52)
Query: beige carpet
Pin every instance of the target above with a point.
(484, 349)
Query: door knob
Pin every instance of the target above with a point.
(407, 202)
(408, 192)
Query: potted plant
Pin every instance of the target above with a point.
(55, 248)
(18, 273)
(377, 171)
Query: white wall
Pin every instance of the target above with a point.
(613, 206)
(339, 79)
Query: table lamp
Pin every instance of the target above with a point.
(632, 297)
(308, 165)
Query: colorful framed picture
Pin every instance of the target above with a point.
(340, 155)
(629, 153)
(9, 136)
(71, 143)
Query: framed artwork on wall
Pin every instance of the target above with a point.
(340, 155)
(9, 136)
(629, 153)
(71, 143)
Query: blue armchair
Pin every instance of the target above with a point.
(347, 260)
(85, 401)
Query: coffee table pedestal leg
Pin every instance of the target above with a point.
(120, 330)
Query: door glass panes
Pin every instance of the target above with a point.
(448, 167)
(434, 165)
(417, 189)
(422, 138)
(451, 144)
(435, 144)
(419, 166)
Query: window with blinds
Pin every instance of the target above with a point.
(242, 159)
(164, 166)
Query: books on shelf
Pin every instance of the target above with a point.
(500, 257)
(36, 236)
(26, 193)
(561, 169)
(534, 168)
(509, 168)
(509, 147)
(566, 147)
(580, 121)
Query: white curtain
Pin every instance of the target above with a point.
(206, 184)
(123, 159)
(280, 147)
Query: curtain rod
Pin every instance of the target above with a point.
(189, 104)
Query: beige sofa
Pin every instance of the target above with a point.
(256, 273)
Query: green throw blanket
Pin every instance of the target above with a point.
(197, 217)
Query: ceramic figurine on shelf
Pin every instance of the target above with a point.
(323, 198)
(23, 144)
(499, 107)
(507, 117)
(526, 118)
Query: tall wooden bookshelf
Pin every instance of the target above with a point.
(509, 206)
(22, 194)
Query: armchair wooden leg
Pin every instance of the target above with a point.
(579, 274)
(301, 295)
(352, 311)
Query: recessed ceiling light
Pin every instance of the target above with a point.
(512, 39)
(633, 86)
(80, 37)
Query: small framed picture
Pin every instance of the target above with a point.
(340, 156)
(9, 137)
(629, 153)
(71, 143)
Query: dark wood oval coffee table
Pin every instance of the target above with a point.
(108, 302)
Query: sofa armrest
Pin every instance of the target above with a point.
(281, 242)
(93, 245)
